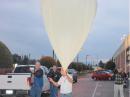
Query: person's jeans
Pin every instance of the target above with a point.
(35, 91)
(66, 95)
(118, 88)
(53, 90)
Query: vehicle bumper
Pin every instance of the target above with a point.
(14, 92)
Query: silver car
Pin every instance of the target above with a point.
(74, 73)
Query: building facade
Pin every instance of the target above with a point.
(122, 55)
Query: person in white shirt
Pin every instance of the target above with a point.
(65, 84)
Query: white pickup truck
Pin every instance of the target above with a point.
(13, 84)
(17, 83)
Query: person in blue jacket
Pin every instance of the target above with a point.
(37, 85)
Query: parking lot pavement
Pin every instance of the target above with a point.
(86, 87)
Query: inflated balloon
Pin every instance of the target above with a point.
(68, 23)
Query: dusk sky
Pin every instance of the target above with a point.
(22, 28)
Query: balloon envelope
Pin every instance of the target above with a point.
(68, 23)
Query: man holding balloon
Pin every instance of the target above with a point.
(65, 84)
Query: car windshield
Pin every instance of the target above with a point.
(100, 72)
(107, 71)
(25, 69)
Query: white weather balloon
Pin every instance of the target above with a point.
(68, 23)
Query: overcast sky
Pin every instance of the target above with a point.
(21, 28)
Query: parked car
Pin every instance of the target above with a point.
(18, 81)
(110, 72)
(74, 73)
(101, 75)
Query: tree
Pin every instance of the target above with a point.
(78, 66)
(47, 61)
(110, 65)
(25, 60)
(73, 65)
(22, 60)
(6, 59)
(101, 64)
(32, 61)
(17, 59)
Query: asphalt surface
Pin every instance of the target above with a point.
(86, 87)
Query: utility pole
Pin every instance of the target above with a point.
(87, 59)
(77, 58)
(53, 54)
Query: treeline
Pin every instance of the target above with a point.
(108, 65)
(79, 66)
(22, 60)
(48, 61)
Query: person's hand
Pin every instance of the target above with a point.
(50, 79)
(65, 72)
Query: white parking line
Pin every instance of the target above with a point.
(95, 89)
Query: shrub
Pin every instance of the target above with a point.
(6, 59)
(47, 61)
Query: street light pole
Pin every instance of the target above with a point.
(53, 54)
(87, 59)
(77, 58)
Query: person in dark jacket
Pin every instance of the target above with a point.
(37, 83)
(55, 75)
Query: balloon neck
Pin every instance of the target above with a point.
(64, 68)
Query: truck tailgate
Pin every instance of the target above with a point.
(14, 81)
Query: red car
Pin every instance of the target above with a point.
(101, 75)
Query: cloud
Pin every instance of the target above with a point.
(22, 28)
